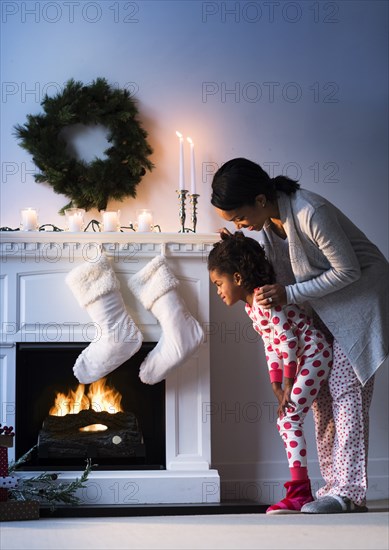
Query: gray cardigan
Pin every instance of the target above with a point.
(341, 274)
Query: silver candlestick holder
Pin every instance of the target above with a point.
(193, 200)
(181, 205)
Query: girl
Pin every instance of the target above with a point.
(298, 355)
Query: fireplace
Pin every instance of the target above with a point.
(118, 422)
(42, 332)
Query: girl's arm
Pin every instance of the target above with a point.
(280, 341)
(274, 363)
(286, 400)
(278, 392)
(283, 395)
(285, 339)
(263, 326)
(286, 342)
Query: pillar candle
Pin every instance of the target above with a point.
(74, 219)
(75, 222)
(110, 221)
(29, 219)
(145, 221)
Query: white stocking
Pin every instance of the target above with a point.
(96, 288)
(155, 286)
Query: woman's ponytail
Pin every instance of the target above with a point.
(285, 184)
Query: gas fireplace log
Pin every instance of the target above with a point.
(62, 436)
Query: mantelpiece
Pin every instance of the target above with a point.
(37, 305)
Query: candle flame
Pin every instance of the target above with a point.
(178, 134)
(190, 140)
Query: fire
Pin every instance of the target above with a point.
(100, 397)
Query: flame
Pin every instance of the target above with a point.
(179, 135)
(100, 397)
(94, 428)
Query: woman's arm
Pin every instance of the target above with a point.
(325, 231)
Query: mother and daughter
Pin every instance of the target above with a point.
(319, 300)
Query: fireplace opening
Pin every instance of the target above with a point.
(117, 421)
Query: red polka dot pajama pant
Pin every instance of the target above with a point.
(341, 414)
(309, 379)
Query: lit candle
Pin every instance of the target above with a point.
(145, 221)
(181, 172)
(75, 222)
(74, 219)
(29, 219)
(192, 168)
(110, 221)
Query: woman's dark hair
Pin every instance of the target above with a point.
(239, 181)
(237, 253)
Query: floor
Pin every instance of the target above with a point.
(218, 531)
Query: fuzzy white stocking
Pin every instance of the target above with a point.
(96, 288)
(155, 286)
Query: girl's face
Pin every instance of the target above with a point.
(229, 287)
(251, 217)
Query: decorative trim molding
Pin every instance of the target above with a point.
(52, 246)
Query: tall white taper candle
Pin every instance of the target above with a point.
(192, 168)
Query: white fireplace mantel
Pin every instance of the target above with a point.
(48, 244)
(37, 305)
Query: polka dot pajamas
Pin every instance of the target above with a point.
(341, 414)
(294, 349)
(306, 387)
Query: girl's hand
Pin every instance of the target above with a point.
(286, 402)
(278, 391)
(270, 295)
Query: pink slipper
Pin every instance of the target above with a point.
(298, 493)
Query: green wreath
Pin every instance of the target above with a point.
(88, 185)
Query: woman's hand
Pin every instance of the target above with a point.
(270, 295)
(224, 232)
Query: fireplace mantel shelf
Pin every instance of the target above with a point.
(128, 243)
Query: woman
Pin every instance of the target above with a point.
(324, 261)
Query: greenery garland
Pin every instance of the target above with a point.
(45, 488)
(88, 185)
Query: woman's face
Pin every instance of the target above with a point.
(251, 217)
(228, 287)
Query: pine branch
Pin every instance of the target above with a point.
(45, 487)
(22, 460)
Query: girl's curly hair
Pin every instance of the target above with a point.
(237, 253)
